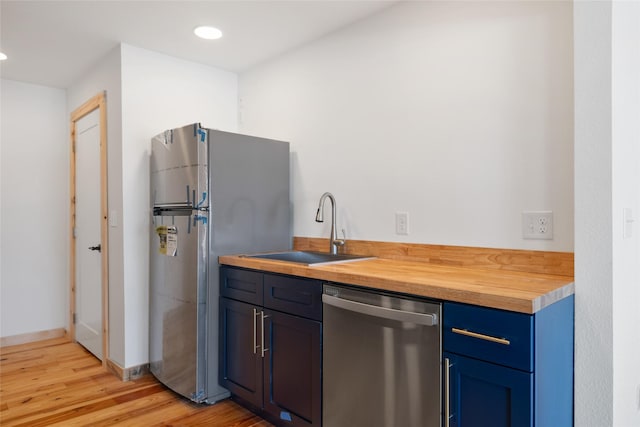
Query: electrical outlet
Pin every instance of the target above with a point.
(402, 223)
(537, 225)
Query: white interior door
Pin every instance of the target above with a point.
(88, 314)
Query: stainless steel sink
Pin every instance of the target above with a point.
(310, 258)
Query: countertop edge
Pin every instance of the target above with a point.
(553, 296)
(486, 295)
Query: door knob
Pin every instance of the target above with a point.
(95, 248)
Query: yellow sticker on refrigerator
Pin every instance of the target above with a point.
(168, 240)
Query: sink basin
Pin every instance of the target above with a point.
(310, 258)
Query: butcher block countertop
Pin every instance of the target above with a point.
(503, 279)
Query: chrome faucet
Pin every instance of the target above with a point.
(334, 242)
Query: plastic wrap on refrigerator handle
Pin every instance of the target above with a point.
(201, 202)
(203, 135)
(201, 218)
(198, 131)
(167, 136)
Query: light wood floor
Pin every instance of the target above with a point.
(58, 383)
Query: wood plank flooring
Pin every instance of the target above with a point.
(59, 383)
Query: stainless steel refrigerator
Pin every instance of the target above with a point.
(213, 193)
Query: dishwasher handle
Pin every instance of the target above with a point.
(382, 312)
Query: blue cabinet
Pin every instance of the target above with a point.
(484, 394)
(293, 378)
(270, 344)
(508, 369)
(240, 363)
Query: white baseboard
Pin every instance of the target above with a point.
(32, 337)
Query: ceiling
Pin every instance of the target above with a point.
(53, 42)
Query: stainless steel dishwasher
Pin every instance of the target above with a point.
(382, 360)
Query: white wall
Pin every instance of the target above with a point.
(460, 113)
(607, 177)
(159, 92)
(105, 76)
(594, 328)
(34, 247)
(625, 193)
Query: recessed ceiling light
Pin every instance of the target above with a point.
(209, 33)
(2, 56)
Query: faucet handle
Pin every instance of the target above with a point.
(340, 242)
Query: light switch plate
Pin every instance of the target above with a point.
(402, 223)
(627, 223)
(113, 218)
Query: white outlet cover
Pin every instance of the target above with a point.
(537, 225)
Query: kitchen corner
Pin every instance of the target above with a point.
(419, 334)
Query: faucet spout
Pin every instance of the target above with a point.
(334, 242)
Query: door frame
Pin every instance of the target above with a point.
(96, 102)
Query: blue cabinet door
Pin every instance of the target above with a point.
(292, 370)
(483, 394)
(240, 368)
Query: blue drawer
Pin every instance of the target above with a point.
(293, 295)
(496, 336)
(242, 285)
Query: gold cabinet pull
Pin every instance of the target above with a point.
(503, 341)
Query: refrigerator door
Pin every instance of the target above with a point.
(178, 306)
(178, 262)
(179, 168)
(249, 184)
